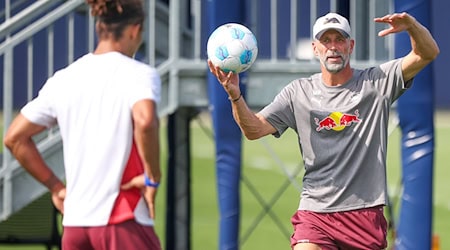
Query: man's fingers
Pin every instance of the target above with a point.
(211, 66)
(62, 194)
(126, 186)
(152, 211)
(385, 32)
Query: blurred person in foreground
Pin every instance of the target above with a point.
(105, 104)
(341, 118)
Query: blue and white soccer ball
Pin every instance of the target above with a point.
(232, 47)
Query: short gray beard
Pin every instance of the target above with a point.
(333, 67)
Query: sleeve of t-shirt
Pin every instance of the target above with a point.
(279, 113)
(39, 110)
(146, 86)
(391, 81)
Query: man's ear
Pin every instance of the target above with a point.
(352, 45)
(314, 49)
(135, 30)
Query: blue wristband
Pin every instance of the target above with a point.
(150, 183)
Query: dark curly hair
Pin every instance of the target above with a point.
(114, 15)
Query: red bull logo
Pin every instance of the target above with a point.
(337, 121)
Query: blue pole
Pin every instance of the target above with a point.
(416, 114)
(227, 135)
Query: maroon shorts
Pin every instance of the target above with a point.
(356, 229)
(126, 235)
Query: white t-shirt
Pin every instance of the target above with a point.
(91, 101)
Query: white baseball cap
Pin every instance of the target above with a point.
(331, 21)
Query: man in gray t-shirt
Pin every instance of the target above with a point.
(340, 116)
(338, 127)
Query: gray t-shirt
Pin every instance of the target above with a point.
(342, 132)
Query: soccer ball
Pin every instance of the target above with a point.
(232, 47)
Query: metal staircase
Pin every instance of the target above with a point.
(17, 188)
(31, 35)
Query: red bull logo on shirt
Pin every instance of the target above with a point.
(337, 121)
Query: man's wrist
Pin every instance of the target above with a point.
(54, 184)
(235, 99)
(150, 183)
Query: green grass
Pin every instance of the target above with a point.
(267, 177)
